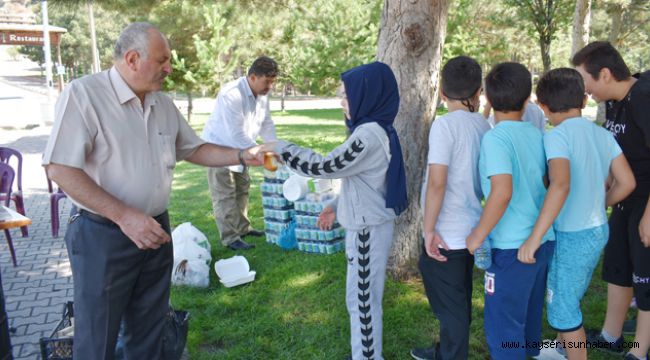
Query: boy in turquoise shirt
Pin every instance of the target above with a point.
(512, 169)
(581, 156)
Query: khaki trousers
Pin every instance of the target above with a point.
(229, 191)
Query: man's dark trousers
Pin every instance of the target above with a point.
(114, 280)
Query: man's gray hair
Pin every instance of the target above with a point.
(134, 37)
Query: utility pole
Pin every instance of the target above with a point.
(46, 45)
(93, 38)
(47, 108)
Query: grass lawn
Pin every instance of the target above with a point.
(295, 308)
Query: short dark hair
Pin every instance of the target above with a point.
(461, 78)
(561, 90)
(264, 66)
(508, 86)
(601, 54)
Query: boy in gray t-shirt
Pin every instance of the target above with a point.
(452, 207)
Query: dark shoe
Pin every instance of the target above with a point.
(240, 245)
(255, 233)
(629, 356)
(424, 353)
(595, 340)
(629, 327)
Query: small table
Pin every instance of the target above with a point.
(11, 219)
(8, 219)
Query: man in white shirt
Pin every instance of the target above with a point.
(240, 115)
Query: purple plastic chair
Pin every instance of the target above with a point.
(6, 155)
(6, 182)
(55, 196)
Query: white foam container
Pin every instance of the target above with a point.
(234, 271)
(295, 188)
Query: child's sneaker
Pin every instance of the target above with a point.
(630, 356)
(550, 352)
(596, 340)
(424, 353)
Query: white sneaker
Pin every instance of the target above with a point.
(550, 352)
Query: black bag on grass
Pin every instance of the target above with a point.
(174, 335)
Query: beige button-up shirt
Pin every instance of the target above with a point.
(129, 150)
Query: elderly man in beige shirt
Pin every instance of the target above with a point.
(113, 148)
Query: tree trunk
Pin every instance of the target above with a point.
(190, 106)
(615, 12)
(545, 47)
(410, 41)
(284, 95)
(581, 24)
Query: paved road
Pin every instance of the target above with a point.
(37, 288)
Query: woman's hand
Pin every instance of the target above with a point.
(326, 218)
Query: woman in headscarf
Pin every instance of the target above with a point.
(373, 193)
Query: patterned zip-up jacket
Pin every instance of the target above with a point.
(361, 162)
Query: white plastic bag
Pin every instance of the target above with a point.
(186, 231)
(188, 250)
(191, 273)
(190, 244)
(191, 256)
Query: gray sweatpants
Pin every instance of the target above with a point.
(367, 254)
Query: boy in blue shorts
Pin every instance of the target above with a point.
(512, 169)
(581, 156)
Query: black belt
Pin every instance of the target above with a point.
(102, 220)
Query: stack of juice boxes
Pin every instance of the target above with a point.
(310, 238)
(278, 211)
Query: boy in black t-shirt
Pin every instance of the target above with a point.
(626, 267)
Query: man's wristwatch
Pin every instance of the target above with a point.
(241, 158)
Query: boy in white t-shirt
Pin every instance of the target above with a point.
(532, 114)
(452, 207)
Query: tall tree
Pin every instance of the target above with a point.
(476, 28)
(616, 10)
(333, 35)
(411, 38)
(546, 18)
(581, 24)
(181, 22)
(625, 24)
(76, 52)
